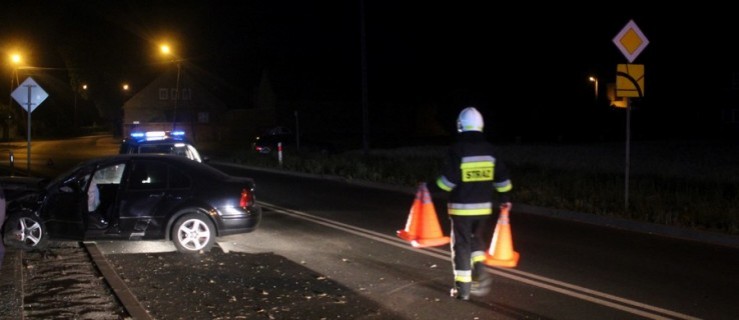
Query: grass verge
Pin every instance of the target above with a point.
(687, 184)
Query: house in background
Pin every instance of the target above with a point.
(196, 110)
(159, 106)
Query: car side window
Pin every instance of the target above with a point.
(178, 179)
(148, 175)
(109, 175)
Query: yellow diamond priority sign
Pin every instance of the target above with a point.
(631, 41)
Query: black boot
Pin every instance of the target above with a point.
(481, 280)
(478, 271)
(461, 290)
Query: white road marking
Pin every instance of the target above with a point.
(597, 297)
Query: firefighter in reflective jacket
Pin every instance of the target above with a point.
(472, 174)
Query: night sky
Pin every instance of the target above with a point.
(526, 65)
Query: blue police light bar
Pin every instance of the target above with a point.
(156, 135)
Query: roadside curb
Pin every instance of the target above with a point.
(606, 221)
(122, 292)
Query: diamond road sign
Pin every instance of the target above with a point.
(29, 95)
(631, 41)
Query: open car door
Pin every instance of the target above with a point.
(65, 207)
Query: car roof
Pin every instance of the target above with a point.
(142, 141)
(193, 167)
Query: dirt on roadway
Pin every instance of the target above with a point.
(63, 283)
(60, 282)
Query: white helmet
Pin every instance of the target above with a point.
(470, 120)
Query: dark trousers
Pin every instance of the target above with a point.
(468, 235)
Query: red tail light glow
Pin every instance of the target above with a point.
(246, 198)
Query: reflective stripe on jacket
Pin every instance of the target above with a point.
(472, 175)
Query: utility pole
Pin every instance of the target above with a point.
(365, 102)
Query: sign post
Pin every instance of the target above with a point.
(631, 41)
(29, 95)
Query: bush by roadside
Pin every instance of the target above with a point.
(687, 184)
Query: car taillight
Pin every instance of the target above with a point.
(246, 198)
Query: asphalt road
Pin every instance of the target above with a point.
(580, 267)
(49, 157)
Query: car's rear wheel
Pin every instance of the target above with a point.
(193, 233)
(25, 231)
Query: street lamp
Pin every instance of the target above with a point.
(595, 81)
(15, 60)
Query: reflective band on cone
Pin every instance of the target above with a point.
(501, 253)
(422, 228)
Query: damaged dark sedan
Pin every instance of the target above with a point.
(135, 197)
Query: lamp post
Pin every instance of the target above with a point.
(15, 61)
(166, 50)
(177, 95)
(594, 80)
(76, 92)
(365, 101)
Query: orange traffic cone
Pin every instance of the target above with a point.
(423, 228)
(501, 253)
